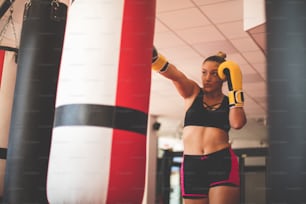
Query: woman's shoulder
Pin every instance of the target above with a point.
(196, 93)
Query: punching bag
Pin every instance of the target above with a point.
(29, 142)
(98, 150)
(286, 165)
(7, 84)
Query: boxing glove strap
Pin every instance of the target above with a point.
(236, 98)
(160, 64)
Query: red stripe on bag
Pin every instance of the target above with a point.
(127, 171)
(2, 53)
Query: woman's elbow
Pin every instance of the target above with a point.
(238, 124)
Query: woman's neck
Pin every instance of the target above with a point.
(214, 95)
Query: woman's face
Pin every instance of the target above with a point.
(210, 79)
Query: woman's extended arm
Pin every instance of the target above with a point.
(184, 86)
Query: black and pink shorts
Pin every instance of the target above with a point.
(201, 172)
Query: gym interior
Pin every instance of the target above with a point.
(39, 38)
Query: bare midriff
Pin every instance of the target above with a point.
(198, 140)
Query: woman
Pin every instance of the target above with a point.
(210, 171)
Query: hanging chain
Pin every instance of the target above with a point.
(13, 27)
(55, 3)
(28, 4)
(3, 30)
(57, 12)
(10, 20)
(26, 9)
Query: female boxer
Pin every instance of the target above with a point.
(209, 171)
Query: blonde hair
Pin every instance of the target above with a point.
(221, 54)
(219, 57)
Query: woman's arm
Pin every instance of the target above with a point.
(184, 86)
(237, 117)
(231, 72)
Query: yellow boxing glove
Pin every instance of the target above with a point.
(159, 62)
(231, 72)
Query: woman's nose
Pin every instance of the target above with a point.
(207, 76)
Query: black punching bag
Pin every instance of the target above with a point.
(286, 164)
(34, 101)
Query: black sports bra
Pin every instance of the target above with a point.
(197, 115)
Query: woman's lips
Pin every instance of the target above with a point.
(207, 85)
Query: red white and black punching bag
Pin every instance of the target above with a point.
(98, 151)
(29, 142)
(7, 83)
(8, 54)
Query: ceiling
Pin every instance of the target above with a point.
(186, 32)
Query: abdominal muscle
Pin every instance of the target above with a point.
(198, 140)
